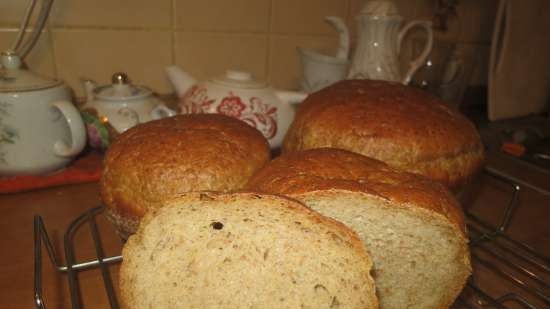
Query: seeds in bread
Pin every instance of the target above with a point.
(412, 227)
(243, 250)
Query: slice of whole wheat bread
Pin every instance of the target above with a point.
(412, 226)
(244, 250)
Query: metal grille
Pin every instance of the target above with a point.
(521, 274)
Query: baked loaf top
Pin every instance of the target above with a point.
(402, 126)
(160, 159)
(243, 250)
(329, 168)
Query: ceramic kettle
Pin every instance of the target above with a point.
(112, 109)
(238, 94)
(40, 129)
(380, 34)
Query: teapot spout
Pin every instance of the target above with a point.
(180, 80)
(343, 36)
(291, 97)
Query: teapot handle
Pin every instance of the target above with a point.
(419, 61)
(76, 126)
(161, 111)
(291, 97)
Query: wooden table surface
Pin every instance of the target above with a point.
(59, 206)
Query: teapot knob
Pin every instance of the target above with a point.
(10, 60)
(238, 75)
(120, 78)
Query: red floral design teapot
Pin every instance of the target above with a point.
(238, 95)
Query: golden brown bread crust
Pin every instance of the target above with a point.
(160, 159)
(329, 168)
(402, 126)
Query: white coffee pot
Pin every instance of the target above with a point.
(40, 129)
(238, 94)
(379, 40)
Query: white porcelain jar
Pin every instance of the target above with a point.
(40, 129)
(114, 108)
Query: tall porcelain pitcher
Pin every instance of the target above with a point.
(380, 33)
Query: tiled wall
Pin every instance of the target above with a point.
(94, 38)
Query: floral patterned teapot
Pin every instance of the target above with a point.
(238, 95)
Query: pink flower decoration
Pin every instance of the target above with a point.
(94, 138)
(195, 101)
(231, 106)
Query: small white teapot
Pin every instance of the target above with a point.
(112, 109)
(40, 129)
(379, 42)
(238, 95)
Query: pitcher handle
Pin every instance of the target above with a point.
(76, 127)
(419, 61)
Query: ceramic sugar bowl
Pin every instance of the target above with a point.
(114, 108)
(238, 94)
(40, 129)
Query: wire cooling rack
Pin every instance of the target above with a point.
(520, 275)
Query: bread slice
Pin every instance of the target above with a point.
(244, 250)
(412, 226)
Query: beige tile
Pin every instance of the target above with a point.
(97, 54)
(108, 13)
(209, 54)
(12, 11)
(222, 15)
(285, 70)
(40, 59)
(305, 16)
(477, 20)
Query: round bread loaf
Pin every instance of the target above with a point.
(412, 226)
(158, 160)
(405, 127)
(244, 250)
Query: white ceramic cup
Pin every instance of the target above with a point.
(320, 71)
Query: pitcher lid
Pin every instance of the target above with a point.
(14, 78)
(380, 8)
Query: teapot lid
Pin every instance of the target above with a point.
(14, 78)
(380, 8)
(239, 79)
(121, 89)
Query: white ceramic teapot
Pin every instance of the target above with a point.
(380, 34)
(40, 129)
(112, 109)
(238, 95)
